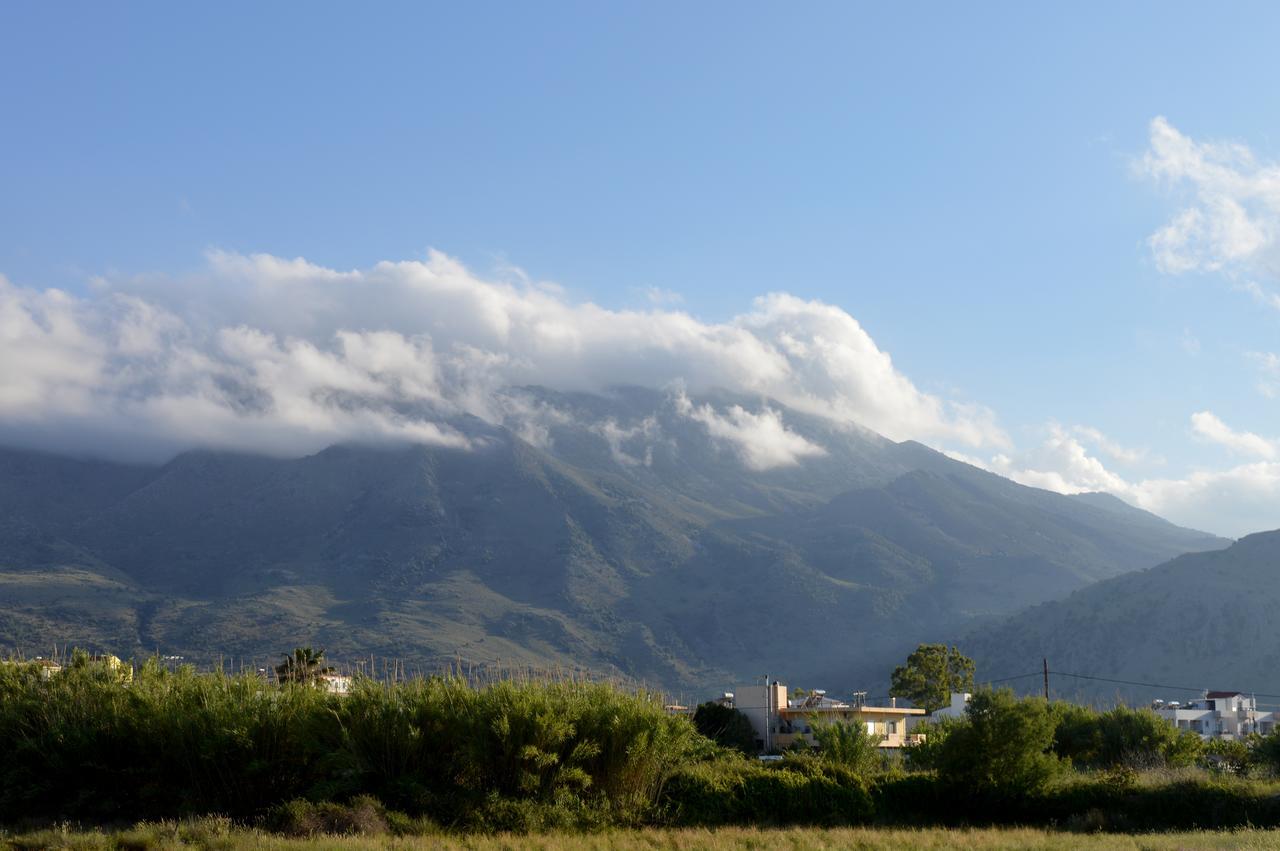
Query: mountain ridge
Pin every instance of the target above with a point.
(631, 542)
(1198, 621)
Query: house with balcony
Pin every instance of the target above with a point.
(780, 721)
(1218, 715)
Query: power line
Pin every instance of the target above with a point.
(1150, 685)
(1011, 679)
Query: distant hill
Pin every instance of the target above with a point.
(1205, 621)
(620, 536)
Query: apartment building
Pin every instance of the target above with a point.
(780, 721)
(1218, 715)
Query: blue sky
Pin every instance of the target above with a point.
(966, 181)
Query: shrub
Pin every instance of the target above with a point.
(1265, 752)
(364, 816)
(1001, 748)
(849, 745)
(1230, 755)
(83, 744)
(1137, 738)
(725, 726)
(796, 791)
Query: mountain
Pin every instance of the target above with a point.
(1200, 621)
(635, 533)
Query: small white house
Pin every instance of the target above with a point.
(955, 709)
(959, 704)
(1217, 715)
(336, 683)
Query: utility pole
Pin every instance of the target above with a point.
(1046, 677)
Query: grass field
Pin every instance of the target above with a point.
(216, 835)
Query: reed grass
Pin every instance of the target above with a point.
(217, 835)
(520, 752)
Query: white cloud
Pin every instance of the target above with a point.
(1232, 216)
(1268, 364)
(1061, 463)
(1206, 425)
(1235, 501)
(659, 296)
(1118, 452)
(1262, 296)
(761, 439)
(265, 353)
(639, 439)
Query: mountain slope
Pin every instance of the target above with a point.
(628, 540)
(1202, 620)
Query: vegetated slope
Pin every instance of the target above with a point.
(1203, 620)
(619, 535)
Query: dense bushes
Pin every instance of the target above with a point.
(797, 790)
(849, 745)
(1136, 738)
(440, 754)
(83, 745)
(725, 726)
(1001, 748)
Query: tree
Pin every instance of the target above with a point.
(725, 726)
(1265, 752)
(1002, 746)
(848, 744)
(303, 666)
(932, 672)
(1134, 738)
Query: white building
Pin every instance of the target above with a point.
(1218, 715)
(339, 684)
(959, 704)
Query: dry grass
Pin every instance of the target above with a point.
(217, 834)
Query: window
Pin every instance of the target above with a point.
(891, 728)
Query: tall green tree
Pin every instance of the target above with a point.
(1002, 746)
(725, 726)
(932, 672)
(303, 666)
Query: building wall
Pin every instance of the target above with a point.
(890, 724)
(762, 705)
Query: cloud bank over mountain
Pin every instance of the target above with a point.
(262, 353)
(266, 354)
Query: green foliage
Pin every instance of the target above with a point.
(1265, 752)
(82, 744)
(362, 816)
(849, 745)
(725, 726)
(926, 754)
(1230, 755)
(1001, 748)
(304, 665)
(1137, 738)
(93, 550)
(800, 790)
(86, 745)
(931, 673)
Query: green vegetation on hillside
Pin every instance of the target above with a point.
(662, 559)
(1200, 621)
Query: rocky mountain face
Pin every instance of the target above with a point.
(633, 534)
(1200, 621)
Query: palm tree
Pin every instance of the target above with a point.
(304, 666)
